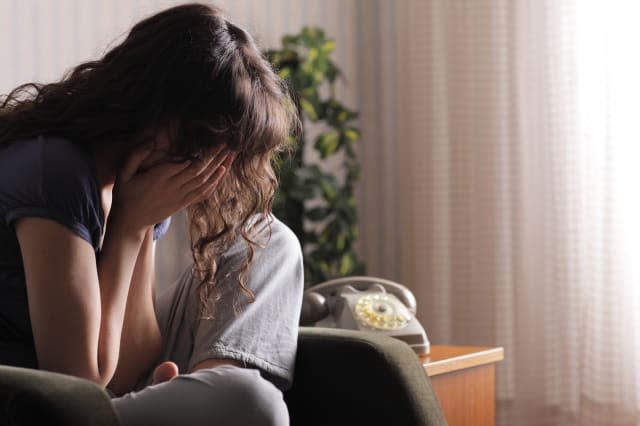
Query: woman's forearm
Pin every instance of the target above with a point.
(115, 271)
(141, 342)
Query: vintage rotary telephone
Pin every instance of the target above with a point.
(367, 304)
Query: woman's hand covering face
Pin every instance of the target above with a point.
(145, 196)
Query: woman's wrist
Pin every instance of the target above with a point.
(123, 226)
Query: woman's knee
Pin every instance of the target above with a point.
(252, 399)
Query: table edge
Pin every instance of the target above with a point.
(482, 356)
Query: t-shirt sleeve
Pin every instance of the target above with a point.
(262, 333)
(55, 180)
(161, 228)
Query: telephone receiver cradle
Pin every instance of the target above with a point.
(368, 304)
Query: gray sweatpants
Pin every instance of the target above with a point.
(225, 395)
(262, 335)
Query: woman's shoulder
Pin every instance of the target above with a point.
(273, 236)
(274, 243)
(47, 155)
(45, 169)
(52, 178)
(32, 146)
(277, 231)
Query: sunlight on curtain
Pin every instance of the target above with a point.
(608, 74)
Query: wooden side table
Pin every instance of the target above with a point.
(463, 378)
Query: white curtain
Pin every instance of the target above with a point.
(516, 191)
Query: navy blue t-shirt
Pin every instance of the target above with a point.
(49, 178)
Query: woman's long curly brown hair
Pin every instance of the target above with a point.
(190, 70)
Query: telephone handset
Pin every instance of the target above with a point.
(368, 304)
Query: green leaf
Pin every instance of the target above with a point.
(312, 54)
(309, 93)
(327, 233)
(328, 46)
(327, 143)
(343, 116)
(274, 57)
(284, 73)
(309, 109)
(351, 202)
(341, 241)
(354, 231)
(306, 68)
(329, 190)
(346, 264)
(317, 76)
(289, 40)
(289, 55)
(311, 35)
(324, 267)
(352, 134)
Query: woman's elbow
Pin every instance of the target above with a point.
(79, 368)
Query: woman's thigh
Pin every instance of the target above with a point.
(225, 395)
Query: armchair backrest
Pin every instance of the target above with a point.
(345, 377)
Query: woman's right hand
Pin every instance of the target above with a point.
(144, 198)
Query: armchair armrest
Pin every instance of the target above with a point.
(32, 397)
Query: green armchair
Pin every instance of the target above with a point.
(342, 378)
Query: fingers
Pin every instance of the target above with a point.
(229, 160)
(188, 173)
(218, 154)
(205, 191)
(167, 170)
(206, 173)
(174, 169)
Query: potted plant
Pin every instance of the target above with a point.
(318, 206)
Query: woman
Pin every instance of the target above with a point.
(184, 113)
